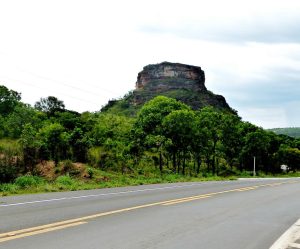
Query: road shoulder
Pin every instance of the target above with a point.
(290, 239)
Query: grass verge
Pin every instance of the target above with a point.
(98, 179)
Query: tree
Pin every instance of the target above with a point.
(30, 146)
(54, 142)
(211, 119)
(244, 128)
(15, 121)
(111, 134)
(179, 127)
(231, 141)
(68, 119)
(257, 144)
(271, 161)
(110, 126)
(158, 142)
(50, 105)
(9, 99)
(79, 144)
(148, 129)
(120, 153)
(153, 112)
(290, 157)
(200, 141)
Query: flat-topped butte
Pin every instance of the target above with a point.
(182, 82)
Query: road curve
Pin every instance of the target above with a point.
(248, 214)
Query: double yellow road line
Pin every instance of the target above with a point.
(38, 230)
(83, 220)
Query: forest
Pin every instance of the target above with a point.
(166, 137)
(290, 131)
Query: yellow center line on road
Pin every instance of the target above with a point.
(186, 200)
(275, 184)
(292, 181)
(247, 189)
(50, 229)
(82, 220)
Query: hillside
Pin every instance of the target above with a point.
(290, 131)
(182, 82)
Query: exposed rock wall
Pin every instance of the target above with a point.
(166, 73)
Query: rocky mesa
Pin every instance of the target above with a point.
(185, 83)
(167, 74)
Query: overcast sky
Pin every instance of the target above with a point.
(87, 52)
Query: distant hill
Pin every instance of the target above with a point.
(182, 82)
(291, 131)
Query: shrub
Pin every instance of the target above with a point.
(91, 172)
(246, 174)
(8, 172)
(28, 181)
(8, 188)
(65, 180)
(227, 172)
(94, 156)
(67, 165)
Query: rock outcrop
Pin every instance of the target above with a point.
(171, 76)
(185, 83)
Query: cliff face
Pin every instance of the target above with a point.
(166, 73)
(185, 83)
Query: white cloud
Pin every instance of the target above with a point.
(87, 52)
(265, 117)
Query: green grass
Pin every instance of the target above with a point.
(103, 179)
(98, 179)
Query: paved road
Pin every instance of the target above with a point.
(247, 214)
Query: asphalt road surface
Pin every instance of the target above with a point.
(244, 214)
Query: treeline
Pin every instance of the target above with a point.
(166, 136)
(290, 131)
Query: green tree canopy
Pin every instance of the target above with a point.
(151, 115)
(54, 141)
(50, 105)
(211, 120)
(8, 100)
(257, 143)
(23, 114)
(290, 157)
(110, 126)
(148, 129)
(179, 127)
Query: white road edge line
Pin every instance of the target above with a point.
(104, 194)
(97, 195)
(286, 239)
(294, 245)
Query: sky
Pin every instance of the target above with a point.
(88, 52)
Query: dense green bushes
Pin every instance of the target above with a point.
(28, 181)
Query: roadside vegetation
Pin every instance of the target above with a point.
(100, 179)
(49, 148)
